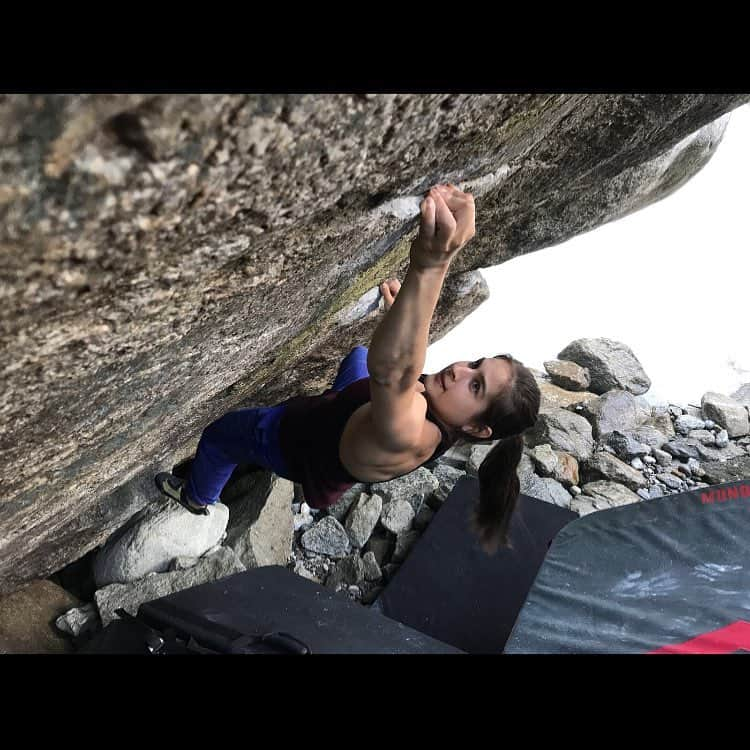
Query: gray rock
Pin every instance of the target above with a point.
(397, 515)
(637, 464)
(722, 439)
(216, 236)
(648, 435)
(302, 570)
(183, 563)
(446, 476)
(381, 546)
(130, 596)
(558, 465)
(611, 364)
(413, 487)
(568, 375)
(718, 472)
(614, 410)
(727, 412)
(610, 493)
(643, 493)
(404, 542)
(302, 516)
(348, 572)
(575, 491)
(554, 397)
(340, 509)
(544, 459)
(362, 518)
(709, 453)
(695, 468)
(456, 456)
(655, 492)
(662, 457)
(79, 620)
(153, 538)
(705, 437)
(583, 505)
(625, 446)
(549, 491)
(564, 431)
(261, 527)
(683, 448)
(661, 419)
(709, 424)
(477, 456)
(603, 466)
(525, 470)
(650, 460)
(327, 537)
(370, 567)
(685, 423)
(671, 481)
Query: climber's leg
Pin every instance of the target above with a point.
(238, 437)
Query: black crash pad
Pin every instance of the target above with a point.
(449, 588)
(273, 599)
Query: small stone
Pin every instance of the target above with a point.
(381, 547)
(575, 490)
(78, 620)
(327, 537)
(670, 481)
(397, 516)
(684, 423)
(655, 492)
(371, 568)
(637, 464)
(650, 460)
(643, 493)
(662, 457)
(722, 439)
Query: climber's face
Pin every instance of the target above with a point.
(461, 392)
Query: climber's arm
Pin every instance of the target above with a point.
(397, 353)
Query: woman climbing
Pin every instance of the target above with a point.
(382, 418)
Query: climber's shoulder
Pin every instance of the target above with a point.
(389, 435)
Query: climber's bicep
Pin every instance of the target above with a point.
(397, 412)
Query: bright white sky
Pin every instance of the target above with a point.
(671, 281)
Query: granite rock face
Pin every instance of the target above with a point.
(168, 258)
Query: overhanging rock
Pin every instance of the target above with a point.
(169, 258)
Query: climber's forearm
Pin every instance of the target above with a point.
(399, 344)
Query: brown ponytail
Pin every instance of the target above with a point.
(498, 493)
(513, 411)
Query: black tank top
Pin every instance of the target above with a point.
(309, 433)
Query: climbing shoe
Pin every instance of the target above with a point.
(173, 487)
